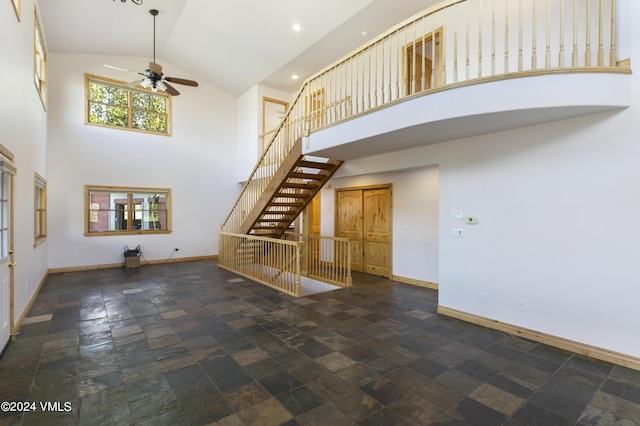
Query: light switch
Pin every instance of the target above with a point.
(456, 233)
(456, 215)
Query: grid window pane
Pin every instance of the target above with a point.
(112, 104)
(133, 212)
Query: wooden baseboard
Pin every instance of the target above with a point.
(121, 264)
(405, 280)
(548, 339)
(18, 323)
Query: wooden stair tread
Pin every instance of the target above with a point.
(310, 176)
(276, 194)
(299, 185)
(280, 204)
(315, 165)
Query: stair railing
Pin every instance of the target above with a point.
(272, 262)
(293, 126)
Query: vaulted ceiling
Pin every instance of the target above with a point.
(232, 44)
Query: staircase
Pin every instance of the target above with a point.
(296, 181)
(281, 185)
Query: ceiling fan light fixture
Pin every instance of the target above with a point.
(154, 77)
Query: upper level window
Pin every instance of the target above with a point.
(122, 210)
(40, 62)
(40, 204)
(112, 104)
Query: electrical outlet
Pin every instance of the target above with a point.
(522, 305)
(485, 297)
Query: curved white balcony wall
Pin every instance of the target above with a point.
(471, 110)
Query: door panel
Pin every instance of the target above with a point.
(5, 258)
(377, 231)
(349, 223)
(364, 216)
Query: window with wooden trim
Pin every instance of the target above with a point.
(111, 210)
(39, 62)
(40, 210)
(110, 103)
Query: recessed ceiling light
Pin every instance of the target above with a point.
(294, 77)
(296, 27)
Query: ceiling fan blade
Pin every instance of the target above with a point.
(182, 81)
(155, 68)
(122, 69)
(171, 90)
(134, 83)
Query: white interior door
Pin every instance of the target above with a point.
(6, 254)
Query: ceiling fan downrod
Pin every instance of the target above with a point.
(154, 13)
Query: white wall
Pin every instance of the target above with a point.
(23, 124)
(550, 200)
(197, 162)
(414, 218)
(248, 131)
(250, 126)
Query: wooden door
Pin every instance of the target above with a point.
(376, 224)
(315, 215)
(315, 109)
(421, 57)
(349, 223)
(311, 218)
(364, 216)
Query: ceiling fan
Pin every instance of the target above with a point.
(153, 76)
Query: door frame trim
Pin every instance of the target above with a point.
(6, 153)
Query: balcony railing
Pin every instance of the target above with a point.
(455, 43)
(281, 263)
(327, 259)
(275, 263)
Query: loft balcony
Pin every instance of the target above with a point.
(465, 68)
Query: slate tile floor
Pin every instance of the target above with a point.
(188, 343)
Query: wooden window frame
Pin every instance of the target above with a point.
(122, 85)
(40, 210)
(267, 134)
(130, 209)
(39, 60)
